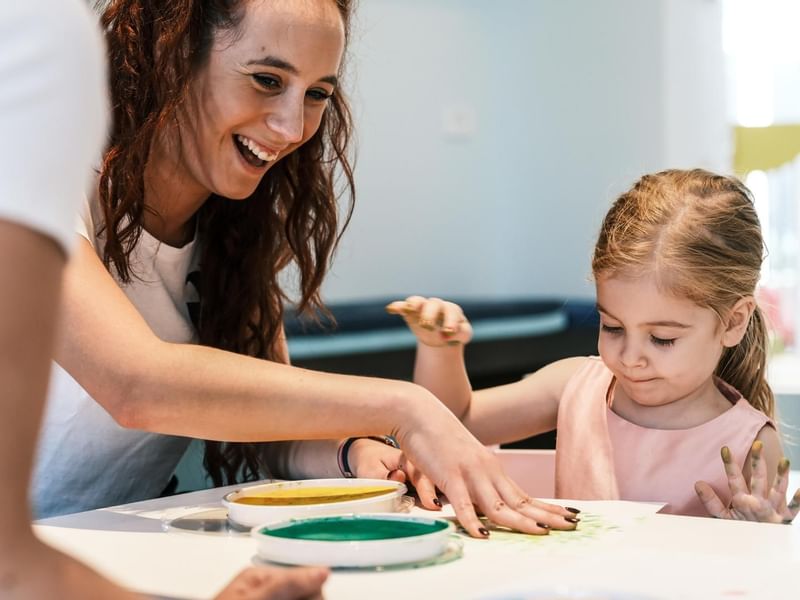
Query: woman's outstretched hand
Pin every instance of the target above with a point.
(471, 477)
(757, 501)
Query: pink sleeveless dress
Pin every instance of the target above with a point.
(601, 456)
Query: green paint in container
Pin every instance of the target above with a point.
(355, 528)
(354, 540)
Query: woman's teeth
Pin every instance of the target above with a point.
(257, 150)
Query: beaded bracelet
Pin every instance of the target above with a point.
(344, 450)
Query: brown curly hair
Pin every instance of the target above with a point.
(292, 216)
(699, 233)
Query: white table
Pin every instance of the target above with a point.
(632, 550)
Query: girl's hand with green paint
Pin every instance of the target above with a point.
(435, 322)
(757, 501)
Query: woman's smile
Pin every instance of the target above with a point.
(253, 153)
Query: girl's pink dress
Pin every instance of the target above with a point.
(601, 456)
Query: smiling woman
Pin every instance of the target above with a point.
(228, 128)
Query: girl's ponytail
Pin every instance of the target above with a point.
(744, 365)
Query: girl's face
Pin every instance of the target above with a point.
(261, 95)
(660, 348)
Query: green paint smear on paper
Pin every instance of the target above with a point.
(354, 529)
(591, 527)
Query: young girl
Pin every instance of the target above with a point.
(682, 347)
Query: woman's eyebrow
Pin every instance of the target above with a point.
(279, 63)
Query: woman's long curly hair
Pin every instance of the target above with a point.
(698, 233)
(292, 217)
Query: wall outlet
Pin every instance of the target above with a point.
(459, 122)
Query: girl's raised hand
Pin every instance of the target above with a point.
(434, 321)
(756, 502)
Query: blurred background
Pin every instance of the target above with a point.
(492, 137)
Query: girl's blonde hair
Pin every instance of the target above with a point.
(699, 235)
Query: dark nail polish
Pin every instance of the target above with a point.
(572, 520)
(574, 511)
(483, 531)
(543, 526)
(437, 502)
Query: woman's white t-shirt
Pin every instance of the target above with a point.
(86, 460)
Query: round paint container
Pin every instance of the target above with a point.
(258, 504)
(362, 540)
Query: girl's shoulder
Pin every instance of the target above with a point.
(580, 366)
(557, 375)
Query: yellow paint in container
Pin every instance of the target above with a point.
(267, 502)
(313, 495)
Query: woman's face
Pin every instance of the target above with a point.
(261, 94)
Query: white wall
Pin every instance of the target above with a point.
(573, 100)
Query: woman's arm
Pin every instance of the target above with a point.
(207, 393)
(303, 459)
(185, 389)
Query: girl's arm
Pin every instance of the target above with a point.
(441, 330)
(501, 414)
(202, 392)
(512, 412)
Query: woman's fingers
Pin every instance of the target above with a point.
(563, 511)
(503, 503)
(397, 475)
(425, 488)
(497, 509)
(545, 515)
(460, 500)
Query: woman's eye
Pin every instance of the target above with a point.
(319, 95)
(268, 82)
(662, 341)
(611, 330)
